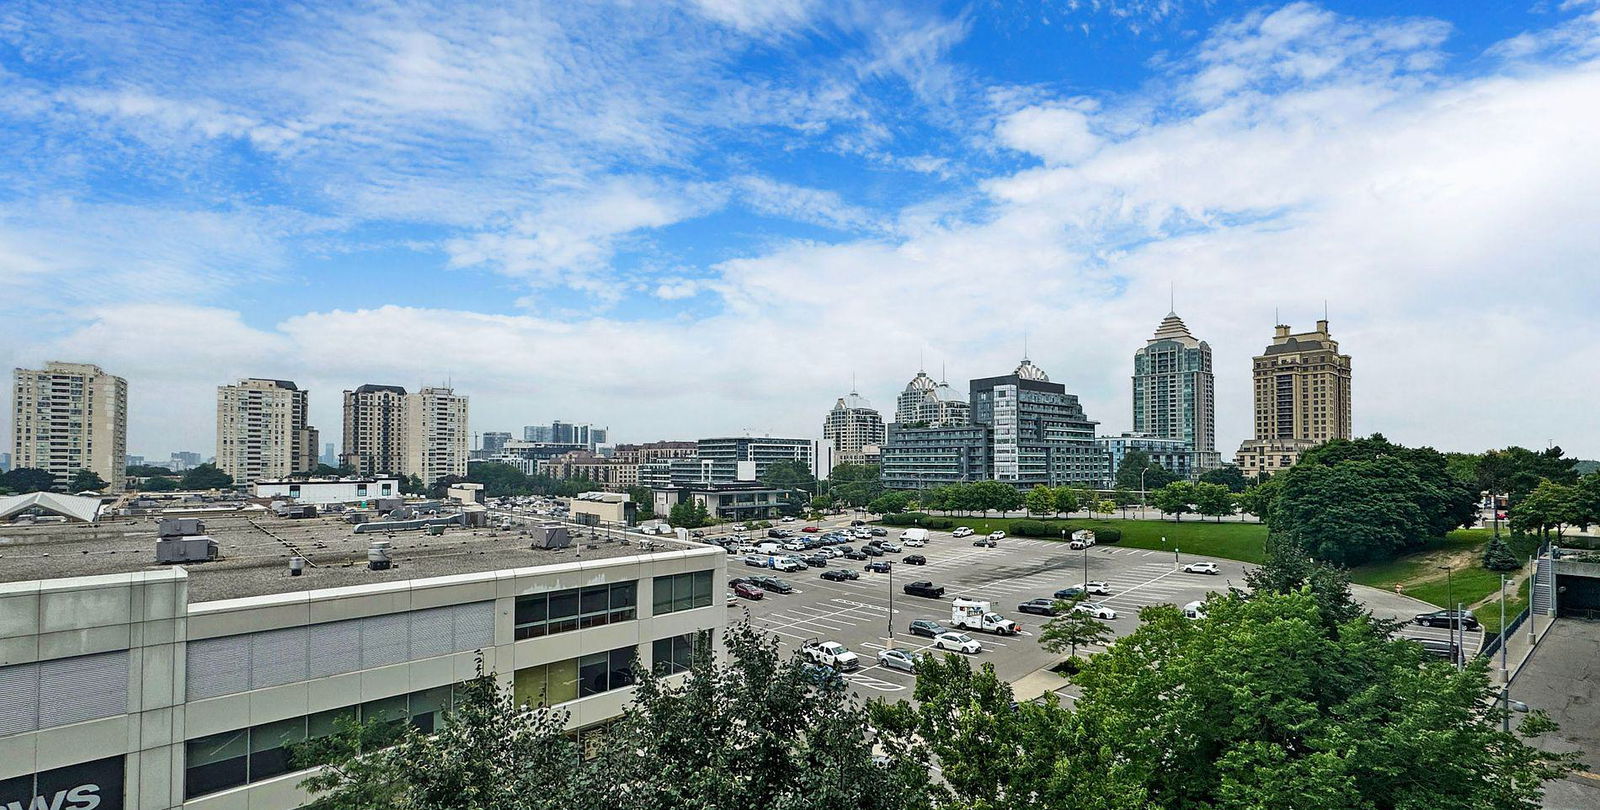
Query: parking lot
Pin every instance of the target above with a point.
(861, 613)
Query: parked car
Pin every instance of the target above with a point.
(897, 659)
(924, 588)
(914, 559)
(831, 654)
(733, 599)
(840, 574)
(926, 627)
(1097, 588)
(1041, 607)
(816, 560)
(788, 519)
(1081, 543)
(960, 642)
(889, 546)
(985, 541)
(697, 533)
(854, 555)
(962, 531)
(872, 551)
(775, 533)
(877, 531)
(858, 523)
(756, 560)
(1448, 618)
(878, 566)
(1069, 592)
(739, 527)
(997, 535)
(773, 584)
(748, 591)
(810, 530)
(1202, 568)
(1095, 609)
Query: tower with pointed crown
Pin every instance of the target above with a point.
(854, 429)
(1173, 396)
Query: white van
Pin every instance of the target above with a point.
(920, 536)
(1194, 610)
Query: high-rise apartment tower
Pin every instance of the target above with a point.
(262, 431)
(1173, 391)
(68, 417)
(853, 429)
(1302, 398)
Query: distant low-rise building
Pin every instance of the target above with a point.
(1174, 455)
(603, 508)
(328, 491)
(735, 500)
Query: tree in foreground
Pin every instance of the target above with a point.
(1174, 499)
(489, 752)
(756, 731)
(1071, 629)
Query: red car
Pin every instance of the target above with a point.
(810, 530)
(748, 591)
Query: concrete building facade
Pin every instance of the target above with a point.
(1302, 399)
(374, 430)
(169, 687)
(853, 429)
(1174, 392)
(1038, 432)
(68, 417)
(1172, 454)
(922, 458)
(747, 458)
(262, 430)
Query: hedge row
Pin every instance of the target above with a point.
(1034, 528)
(922, 519)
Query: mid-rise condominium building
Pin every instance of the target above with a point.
(262, 431)
(127, 685)
(494, 440)
(854, 430)
(1302, 399)
(388, 431)
(68, 417)
(746, 458)
(925, 403)
(1173, 393)
(1039, 433)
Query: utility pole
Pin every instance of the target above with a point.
(1503, 677)
(888, 642)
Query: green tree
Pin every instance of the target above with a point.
(1497, 556)
(1071, 629)
(1257, 498)
(1288, 569)
(1587, 492)
(1227, 475)
(822, 503)
(1041, 500)
(1517, 471)
(1349, 513)
(1257, 706)
(854, 484)
(86, 480)
(500, 479)
(1212, 500)
(687, 515)
(1135, 462)
(757, 731)
(1124, 498)
(146, 470)
(207, 476)
(29, 479)
(159, 483)
(1549, 506)
(1174, 499)
(646, 500)
(329, 471)
(1066, 500)
(701, 516)
(489, 752)
(1445, 501)
(996, 495)
(890, 503)
(440, 489)
(1106, 506)
(412, 485)
(790, 475)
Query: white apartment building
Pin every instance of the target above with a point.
(436, 440)
(68, 417)
(129, 685)
(262, 431)
(853, 430)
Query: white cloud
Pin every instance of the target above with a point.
(815, 206)
(1058, 135)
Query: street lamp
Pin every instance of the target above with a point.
(888, 642)
(1503, 677)
(1144, 505)
(1453, 619)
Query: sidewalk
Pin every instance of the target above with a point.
(1520, 645)
(1037, 683)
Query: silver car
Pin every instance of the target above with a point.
(897, 659)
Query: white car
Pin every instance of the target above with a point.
(1194, 610)
(960, 642)
(1202, 568)
(794, 546)
(892, 548)
(897, 659)
(1097, 588)
(1095, 609)
(1080, 544)
(739, 527)
(916, 543)
(997, 535)
(789, 519)
(962, 531)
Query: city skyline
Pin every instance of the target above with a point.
(908, 181)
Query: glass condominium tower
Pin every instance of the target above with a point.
(1173, 395)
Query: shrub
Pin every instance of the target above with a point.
(936, 523)
(904, 518)
(1029, 528)
(1105, 535)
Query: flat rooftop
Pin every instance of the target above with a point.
(254, 552)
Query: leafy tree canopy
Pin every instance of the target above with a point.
(147, 470)
(1136, 461)
(29, 479)
(87, 480)
(207, 476)
(790, 475)
(1227, 475)
(160, 483)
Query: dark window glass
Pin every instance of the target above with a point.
(682, 592)
(596, 599)
(661, 596)
(624, 600)
(702, 588)
(270, 745)
(593, 674)
(530, 615)
(563, 611)
(214, 763)
(621, 667)
(661, 656)
(428, 708)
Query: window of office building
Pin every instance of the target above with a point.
(673, 654)
(561, 681)
(681, 592)
(543, 614)
(233, 758)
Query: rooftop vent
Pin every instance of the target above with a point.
(186, 549)
(379, 556)
(180, 527)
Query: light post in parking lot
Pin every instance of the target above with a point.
(1503, 677)
(1451, 622)
(888, 641)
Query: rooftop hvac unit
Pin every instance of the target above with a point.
(180, 527)
(186, 549)
(551, 535)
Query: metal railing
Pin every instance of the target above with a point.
(1492, 645)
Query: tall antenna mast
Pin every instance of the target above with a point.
(1172, 297)
(1024, 344)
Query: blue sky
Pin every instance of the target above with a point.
(697, 217)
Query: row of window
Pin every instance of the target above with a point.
(544, 614)
(233, 758)
(681, 592)
(562, 681)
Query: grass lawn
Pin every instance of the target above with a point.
(1232, 541)
(1489, 613)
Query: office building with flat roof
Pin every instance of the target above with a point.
(747, 458)
(927, 457)
(1038, 432)
(128, 685)
(67, 417)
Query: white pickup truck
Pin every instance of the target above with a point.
(830, 654)
(973, 614)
